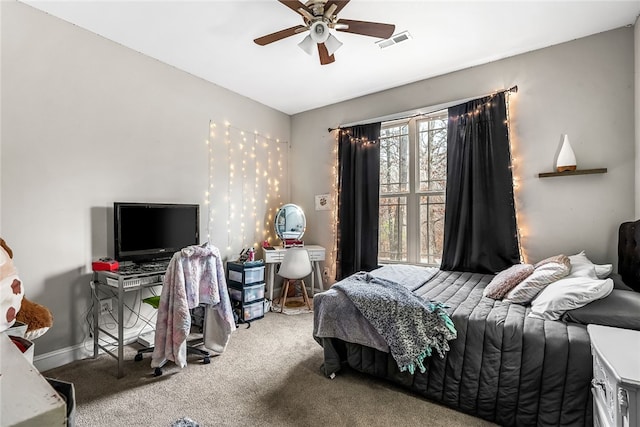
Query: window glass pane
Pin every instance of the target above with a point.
(394, 159)
(392, 237)
(431, 228)
(417, 146)
(432, 153)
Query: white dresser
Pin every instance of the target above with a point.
(26, 398)
(276, 255)
(616, 376)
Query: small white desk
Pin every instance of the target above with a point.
(275, 256)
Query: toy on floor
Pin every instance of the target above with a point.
(13, 305)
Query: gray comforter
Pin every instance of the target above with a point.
(504, 366)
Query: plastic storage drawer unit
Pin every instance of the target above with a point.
(246, 288)
(246, 273)
(253, 311)
(251, 275)
(247, 293)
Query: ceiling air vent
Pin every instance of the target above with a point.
(395, 39)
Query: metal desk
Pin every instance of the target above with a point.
(115, 284)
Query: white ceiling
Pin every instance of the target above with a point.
(214, 40)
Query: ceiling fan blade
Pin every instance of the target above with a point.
(340, 5)
(325, 58)
(295, 5)
(372, 29)
(279, 35)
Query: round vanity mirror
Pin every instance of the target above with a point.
(290, 222)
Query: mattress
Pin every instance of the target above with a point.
(504, 366)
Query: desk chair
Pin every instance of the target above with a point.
(295, 266)
(154, 301)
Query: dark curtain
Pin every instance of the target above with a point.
(358, 192)
(480, 233)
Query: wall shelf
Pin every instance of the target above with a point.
(575, 172)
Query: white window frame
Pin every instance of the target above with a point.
(413, 194)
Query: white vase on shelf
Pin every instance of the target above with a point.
(566, 158)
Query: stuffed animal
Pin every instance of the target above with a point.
(13, 305)
(11, 292)
(37, 317)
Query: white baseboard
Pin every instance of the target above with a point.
(63, 356)
(57, 358)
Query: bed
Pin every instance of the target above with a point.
(504, 366)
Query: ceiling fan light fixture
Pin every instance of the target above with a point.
(321, 20)
(307, 44)
(319, 32)
(332, 44)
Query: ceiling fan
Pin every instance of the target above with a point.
(319, 17)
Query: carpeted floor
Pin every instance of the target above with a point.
(268, 376)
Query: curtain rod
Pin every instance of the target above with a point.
(513, 89)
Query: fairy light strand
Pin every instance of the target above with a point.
(229, 185)
(251, 176)
(211, 162)
(515, 173)
(333, 253)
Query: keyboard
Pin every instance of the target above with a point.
(151, 267)
(142, 274)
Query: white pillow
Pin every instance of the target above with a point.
(602, 270)
(527, 289)
(577, 289)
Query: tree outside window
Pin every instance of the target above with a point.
(413, 171)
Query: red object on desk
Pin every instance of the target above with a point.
(105, 265)
(292, 243)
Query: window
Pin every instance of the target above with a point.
(413, 172)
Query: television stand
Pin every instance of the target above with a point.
(114, 284)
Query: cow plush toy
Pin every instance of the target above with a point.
(13, 305)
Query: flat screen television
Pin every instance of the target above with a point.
(146, 232)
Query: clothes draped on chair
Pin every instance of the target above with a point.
(480, 232)
(195, 275)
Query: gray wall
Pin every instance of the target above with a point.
(636, 32)
(583, 88)
(86, 122)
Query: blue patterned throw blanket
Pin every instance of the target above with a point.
(412, 327)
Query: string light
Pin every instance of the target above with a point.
(334, 209)
(248, 220)
(513, 145)
(229, 185)
(211, 211)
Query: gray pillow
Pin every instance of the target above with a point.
(620, 309)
